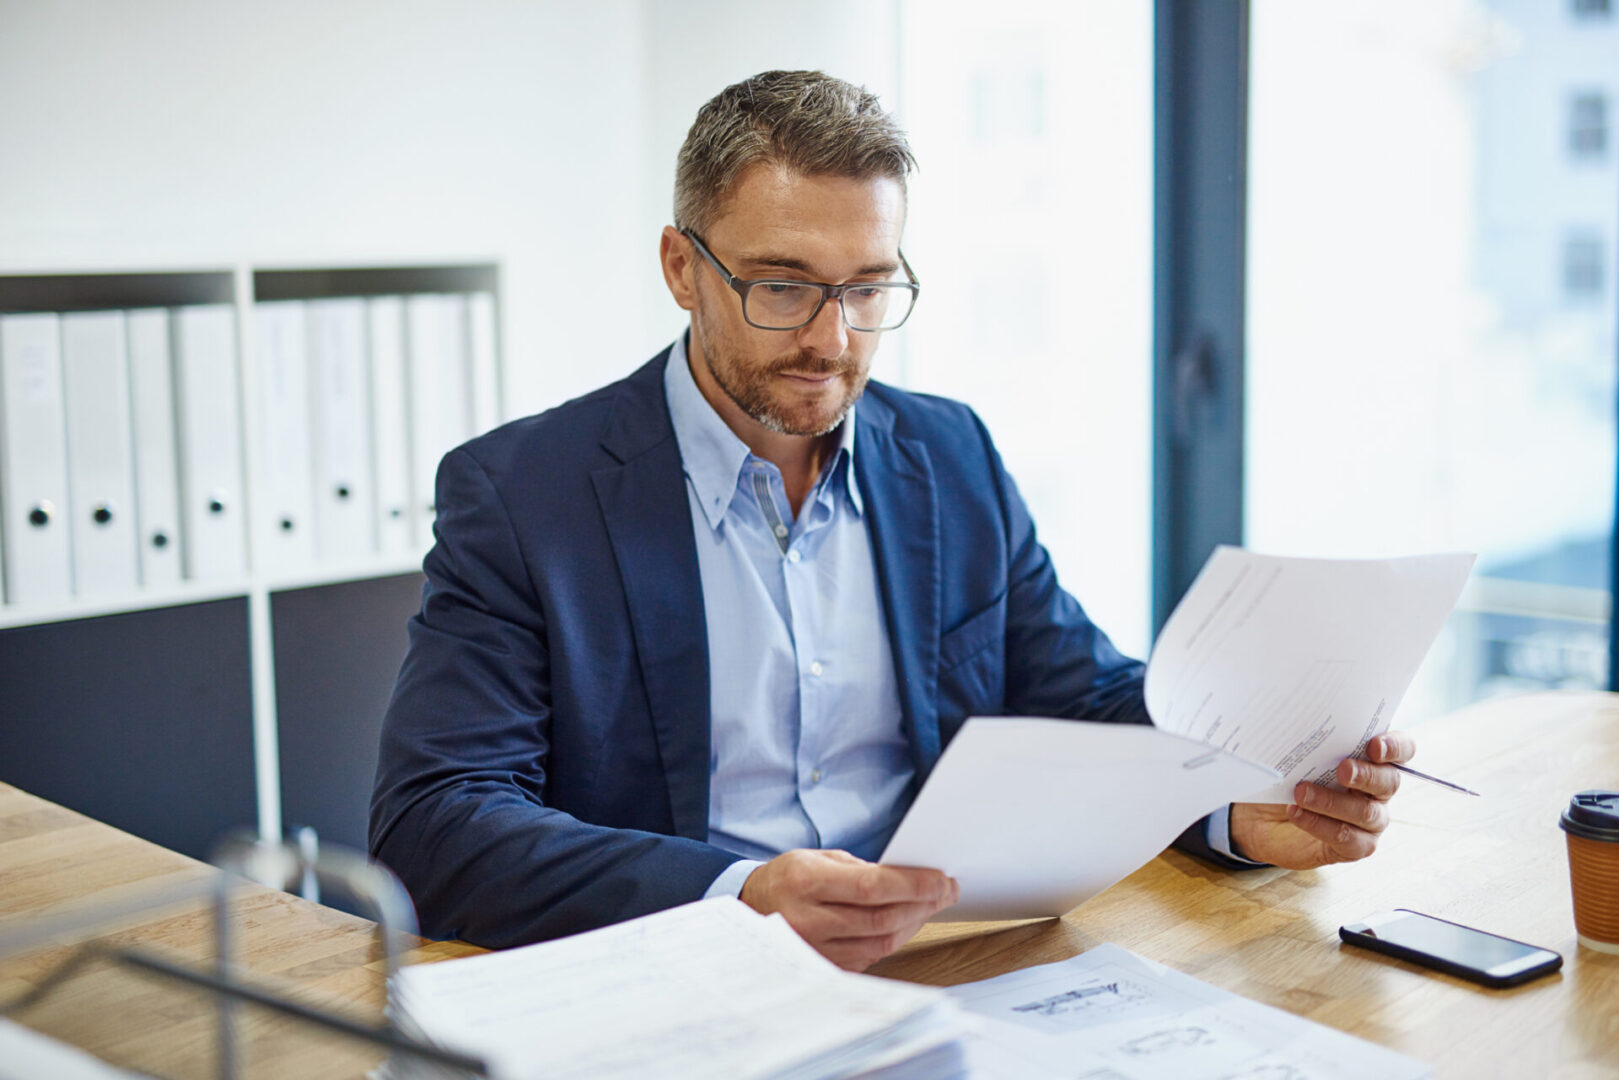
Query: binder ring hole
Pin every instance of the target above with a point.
(342, 491)
(102, 514)
(40, 516)
(160, 540)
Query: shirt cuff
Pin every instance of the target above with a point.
(1219, 836)
(732, 878)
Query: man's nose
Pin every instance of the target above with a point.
(827, 334)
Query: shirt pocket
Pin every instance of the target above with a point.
(972, 668)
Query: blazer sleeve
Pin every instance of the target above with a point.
(1058, 662)
(459, 810)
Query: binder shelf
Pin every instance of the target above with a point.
(178, 437)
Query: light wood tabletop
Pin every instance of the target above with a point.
(57, 864)
(1497, 863)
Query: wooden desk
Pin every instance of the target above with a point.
(1498, 863)
(56, 862)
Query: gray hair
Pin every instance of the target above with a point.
(808, 121)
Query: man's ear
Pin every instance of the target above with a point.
(679, 261)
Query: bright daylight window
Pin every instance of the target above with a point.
(1031, 232)
(1418, 378)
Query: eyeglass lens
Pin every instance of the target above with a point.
(781, 305)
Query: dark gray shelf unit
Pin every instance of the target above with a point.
(141, 719)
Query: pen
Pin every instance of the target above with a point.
(1433, 779)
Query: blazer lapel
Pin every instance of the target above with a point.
(643, 502)
(901, 501)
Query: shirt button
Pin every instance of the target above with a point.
(815, 776)
(781, 530)
(816, 669)
(793, 555)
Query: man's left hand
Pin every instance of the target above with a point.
(1325, 826)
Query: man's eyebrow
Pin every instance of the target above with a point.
(787, 262)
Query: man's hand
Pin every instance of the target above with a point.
(1326, 826)
(853, 912)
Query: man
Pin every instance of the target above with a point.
(707, 629)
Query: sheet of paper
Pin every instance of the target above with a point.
(1034, 816)
(1112, 1014)
(706, 989)
(1296, 663)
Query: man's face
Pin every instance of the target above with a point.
(782, 225)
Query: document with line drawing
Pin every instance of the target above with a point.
(1270, 671)
(1109, 1014)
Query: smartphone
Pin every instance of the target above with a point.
(1451, 947)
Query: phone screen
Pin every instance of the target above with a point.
(1447, 941)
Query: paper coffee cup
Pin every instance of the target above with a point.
(1592, 824)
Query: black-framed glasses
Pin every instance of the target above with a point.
(772, 304)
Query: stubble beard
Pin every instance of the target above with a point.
(749, 386)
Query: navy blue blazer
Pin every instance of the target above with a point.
(545, 756)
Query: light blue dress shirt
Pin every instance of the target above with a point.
(807, 747)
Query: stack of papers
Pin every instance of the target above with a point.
(1112, 1015)
(708, 989)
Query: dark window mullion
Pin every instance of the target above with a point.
(1200, 223)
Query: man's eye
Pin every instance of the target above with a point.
(868, 292)
(778, 287)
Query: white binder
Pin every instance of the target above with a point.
(345, 521)
(284, 512)
(207, 395)
(157, 481)
(485, 366)
(33, 462)
(440, 389)
(390, 441)
(100, 453)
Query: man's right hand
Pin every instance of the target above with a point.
(853, 912)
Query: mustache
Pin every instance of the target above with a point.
(804, 363)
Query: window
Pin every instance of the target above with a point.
(1588, 126)
(1418, 378)
(1031, 230)
(1583, 275)
(1591, 9)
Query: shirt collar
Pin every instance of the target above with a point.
(710, 451)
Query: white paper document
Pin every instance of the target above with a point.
(703, 990)
(1271, 670)
(1034, 817)
(1296, 663)
(1109, 1014)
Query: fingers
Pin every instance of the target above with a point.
(852, 911)
(1345, 807)
(893, 924)
(871, 884)
(1378, 781)
(1344, 841)
(1392, 746)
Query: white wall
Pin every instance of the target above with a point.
(694, 50)
(191, 134)
(182, 133)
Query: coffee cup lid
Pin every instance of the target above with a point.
(1593, 815)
